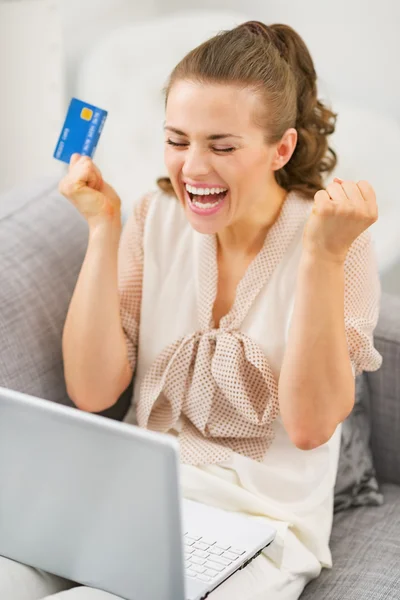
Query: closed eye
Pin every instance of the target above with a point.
(171, 143)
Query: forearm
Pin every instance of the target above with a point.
(316, 384)
(94, 348)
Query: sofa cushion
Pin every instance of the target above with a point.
(356, 482)
(43, 241)
(366, 554)
(384, 386)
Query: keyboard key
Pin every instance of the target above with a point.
(221, 561)
(197, 568)
(195, 560)
(230, 555)
(222, 546)
(207, 541)
(194, 537)
(216, 551)
(237, 551)
(211, 572)
(201, 553)
(212, 565)
(191, 573)
(189, 541)
(189, 551)
(203, 578)
(200, 546)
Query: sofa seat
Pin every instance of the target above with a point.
(365, 545)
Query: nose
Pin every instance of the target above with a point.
(196, 163)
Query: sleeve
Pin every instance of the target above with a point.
(361, 304)
(130, 275)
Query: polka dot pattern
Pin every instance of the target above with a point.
(130, 275)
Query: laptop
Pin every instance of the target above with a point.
(99, 502)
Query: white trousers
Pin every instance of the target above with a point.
(260, 580)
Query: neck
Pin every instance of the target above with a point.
(246, 236)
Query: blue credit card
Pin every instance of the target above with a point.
(81, 130)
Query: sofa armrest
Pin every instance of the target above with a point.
(384, 387)
(43, 240)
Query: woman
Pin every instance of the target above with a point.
(243, 295)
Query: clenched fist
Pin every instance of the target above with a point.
(84, 186)
(339, 215)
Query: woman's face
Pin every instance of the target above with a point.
(216, 156)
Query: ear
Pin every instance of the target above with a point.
(284, 149)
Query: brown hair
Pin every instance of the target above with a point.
(275, 62)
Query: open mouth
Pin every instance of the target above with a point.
(207, 203)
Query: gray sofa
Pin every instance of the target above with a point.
(42, 245)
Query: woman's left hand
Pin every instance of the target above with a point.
(339, 215)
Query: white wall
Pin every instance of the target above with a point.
(31, 89)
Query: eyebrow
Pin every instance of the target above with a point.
(214, 136)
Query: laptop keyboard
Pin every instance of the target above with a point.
(205, 558)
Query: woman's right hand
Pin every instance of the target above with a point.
(84, 186)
